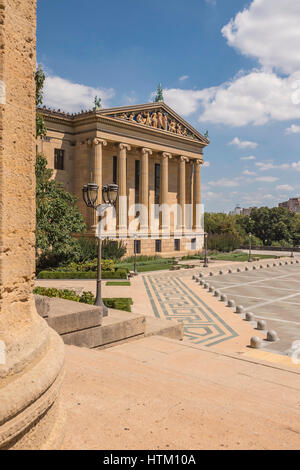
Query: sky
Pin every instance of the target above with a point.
(231, 67)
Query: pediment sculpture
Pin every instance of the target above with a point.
(158, 119)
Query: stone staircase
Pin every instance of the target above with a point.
(83, 325)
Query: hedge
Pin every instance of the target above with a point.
(118, 274)
(86, 297)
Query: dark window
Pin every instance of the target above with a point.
(59, 156)
(177, 244)
(158, 246)
(137, 181)
(193, 244)
(137, 246)
(157, 182)
(115, 169)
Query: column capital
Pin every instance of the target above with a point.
(198, 162)
(166, 155)
(98, 141)
(146, 151)
(123, 146)
(182, 158)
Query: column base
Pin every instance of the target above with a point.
(30, 414)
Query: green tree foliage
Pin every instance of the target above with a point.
(159, 94)
(57, 218)
(39, 81)
(273, 225)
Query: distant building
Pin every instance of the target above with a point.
(293, 204)
(242, 211)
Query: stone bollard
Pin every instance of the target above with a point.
(211, 273)
(229, 271)
(221, 272)
(239, 309)
(261, 325)
(297, 261)
(249, 316)
(254, 268)
(217, 293)
(231, 303)
(223, 298)
(268, 265)
(272, 336)
(201, 275)
(246, 268)
(201, 282)
(206, 285)
(255, 342)
(274, 264)
(238, 270)
(211, 289)
(261, 266)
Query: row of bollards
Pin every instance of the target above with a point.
(255, 341)
(254, 268)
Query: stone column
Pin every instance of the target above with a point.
(32, 354)
(189, 196)
(96, 174)
(122, 181)
(197, 196)
(144, 190)
(164, 191)
(182, 190)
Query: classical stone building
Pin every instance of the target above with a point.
(151, 153)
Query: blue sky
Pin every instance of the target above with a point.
(230, 67)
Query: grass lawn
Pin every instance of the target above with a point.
(116, 283)
(238, 256)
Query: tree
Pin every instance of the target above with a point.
(57, 218)
(159, 94)
(39, 81)
(273, 225)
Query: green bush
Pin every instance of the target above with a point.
(118, 274)
(113, 249)
(224, 242)
(86, 297)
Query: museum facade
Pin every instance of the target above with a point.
(153, 155)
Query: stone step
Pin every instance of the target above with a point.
(169, 328)
(82, 325)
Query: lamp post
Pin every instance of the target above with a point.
(250, 239)
(292, 252)
(205, 247)
(134, 245)
(109, 196)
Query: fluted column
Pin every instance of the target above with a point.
(96, 173)
(197, 196)
(165, 222)
(182, 190)
(31, 353)
(189, 195)
(144, 190)
(122, 181)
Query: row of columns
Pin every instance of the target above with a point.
(96, 176)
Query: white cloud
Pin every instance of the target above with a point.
(251, 157)
(284, 187)
(184, 77)
(269, 31)
(249, 173)
(72, 97)
(267, 179)
(185, 102)
(224, 182)
(264, 166)
(243, 144)
(206, 164)
(296, 165)
(293, 129)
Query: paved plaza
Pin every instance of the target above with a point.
(271, 294)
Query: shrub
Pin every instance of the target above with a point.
(223, 242)
(113, 249)
(118, 274)
(86, 297)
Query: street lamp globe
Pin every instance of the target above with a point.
(92, 193)
(112, 193)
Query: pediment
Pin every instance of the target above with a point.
(157, 116)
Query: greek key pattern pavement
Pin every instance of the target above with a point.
(171, 298)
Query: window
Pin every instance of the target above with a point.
(137, 181)
(59, 156)
(157, 183)
(158, 246)
(177, 244)
(115, 169)
(193, 244)
(137, 246)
